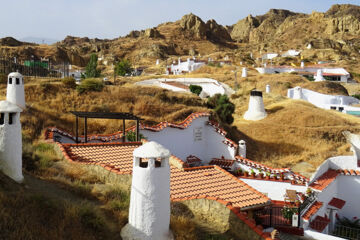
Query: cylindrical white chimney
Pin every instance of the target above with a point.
(256, 110)
(297, 93)
(149, 213)
(15, 89)
(267, 89)
(319, 76)
(302, 64)
(244, 73)
(242, 148)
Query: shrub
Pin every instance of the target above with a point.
(89, 85)
(131, 136)
(195, 89)
(123, 67)
(222, 107)
(69, 82)
(356, 96)
(91, 70)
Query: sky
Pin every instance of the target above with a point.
(55, 19)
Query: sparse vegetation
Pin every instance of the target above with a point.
(69, 82)
(89, 85)
(222, 107)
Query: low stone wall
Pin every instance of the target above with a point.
(221, 218)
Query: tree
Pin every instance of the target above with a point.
(222, 107)
(91, 70)
(195, 89)
(123, 67)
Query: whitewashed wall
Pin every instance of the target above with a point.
(274, 190)
(182, 143)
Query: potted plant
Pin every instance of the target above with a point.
(246, 173)
(267, 175)
(308, 192)
(238, 172)
(282, 176)
(252, 173)
(261, 174)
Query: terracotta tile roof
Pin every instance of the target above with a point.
(223, 163)
(215, 183)
(312, 210)
(319, 223)
(117, 157)
(324, 180)
(336, 202)
(192, 159)
(207, 182)
(263, 167)
(349, 172)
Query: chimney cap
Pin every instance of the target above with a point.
(151, 150)
(255, 92)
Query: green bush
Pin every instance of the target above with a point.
(131, 136)
(89, 85)
(69, 82)
(356, 96)
(123, 67)
(222, 107)
(195, 89)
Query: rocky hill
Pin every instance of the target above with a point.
(333, 35)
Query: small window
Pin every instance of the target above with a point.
(158, 162)
(11, 118)
(333, 108)
(2, 118)
(10, 80)
(143, 163)
(17, 81)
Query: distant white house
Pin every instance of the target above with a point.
(210, 87)
(184, 67)
(331, 74)
(291, 53)
(340, 103)
(269, 56)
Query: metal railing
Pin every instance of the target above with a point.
(273, 216)
(346, 232)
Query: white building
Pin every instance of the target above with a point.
(331, 74)
(291, 53)
(210, 87)
(149, 213)
(340, 103)
(269, 56)
(256, 110)
(336, 185)
(184, 67)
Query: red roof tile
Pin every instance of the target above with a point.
(196, 182)
(349, 172)
(223, 163)
(312, 210)
(319, 223)
(324, 180)
(336, 202)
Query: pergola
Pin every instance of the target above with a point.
(105, 115)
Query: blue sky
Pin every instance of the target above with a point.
(113, 18)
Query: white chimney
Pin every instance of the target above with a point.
(256, 110)
(319, 76)
(297, 93)
(149, 214)
(15, 89)
(267, 89)
(157, 61)
(242, 148)
(244, 73)
(10, 141)
(302, 64)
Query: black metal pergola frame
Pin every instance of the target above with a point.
(104, 115)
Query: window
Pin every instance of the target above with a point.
(2, 118)
(143, 162)
(10, 80)
(11, 118)
(17, 81)
(333, 108)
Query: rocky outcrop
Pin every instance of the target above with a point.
(194, 25)
(11, 42)
(241, 30)
(347, 24)
(341, 10)
(152, 33)
(216, 32)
